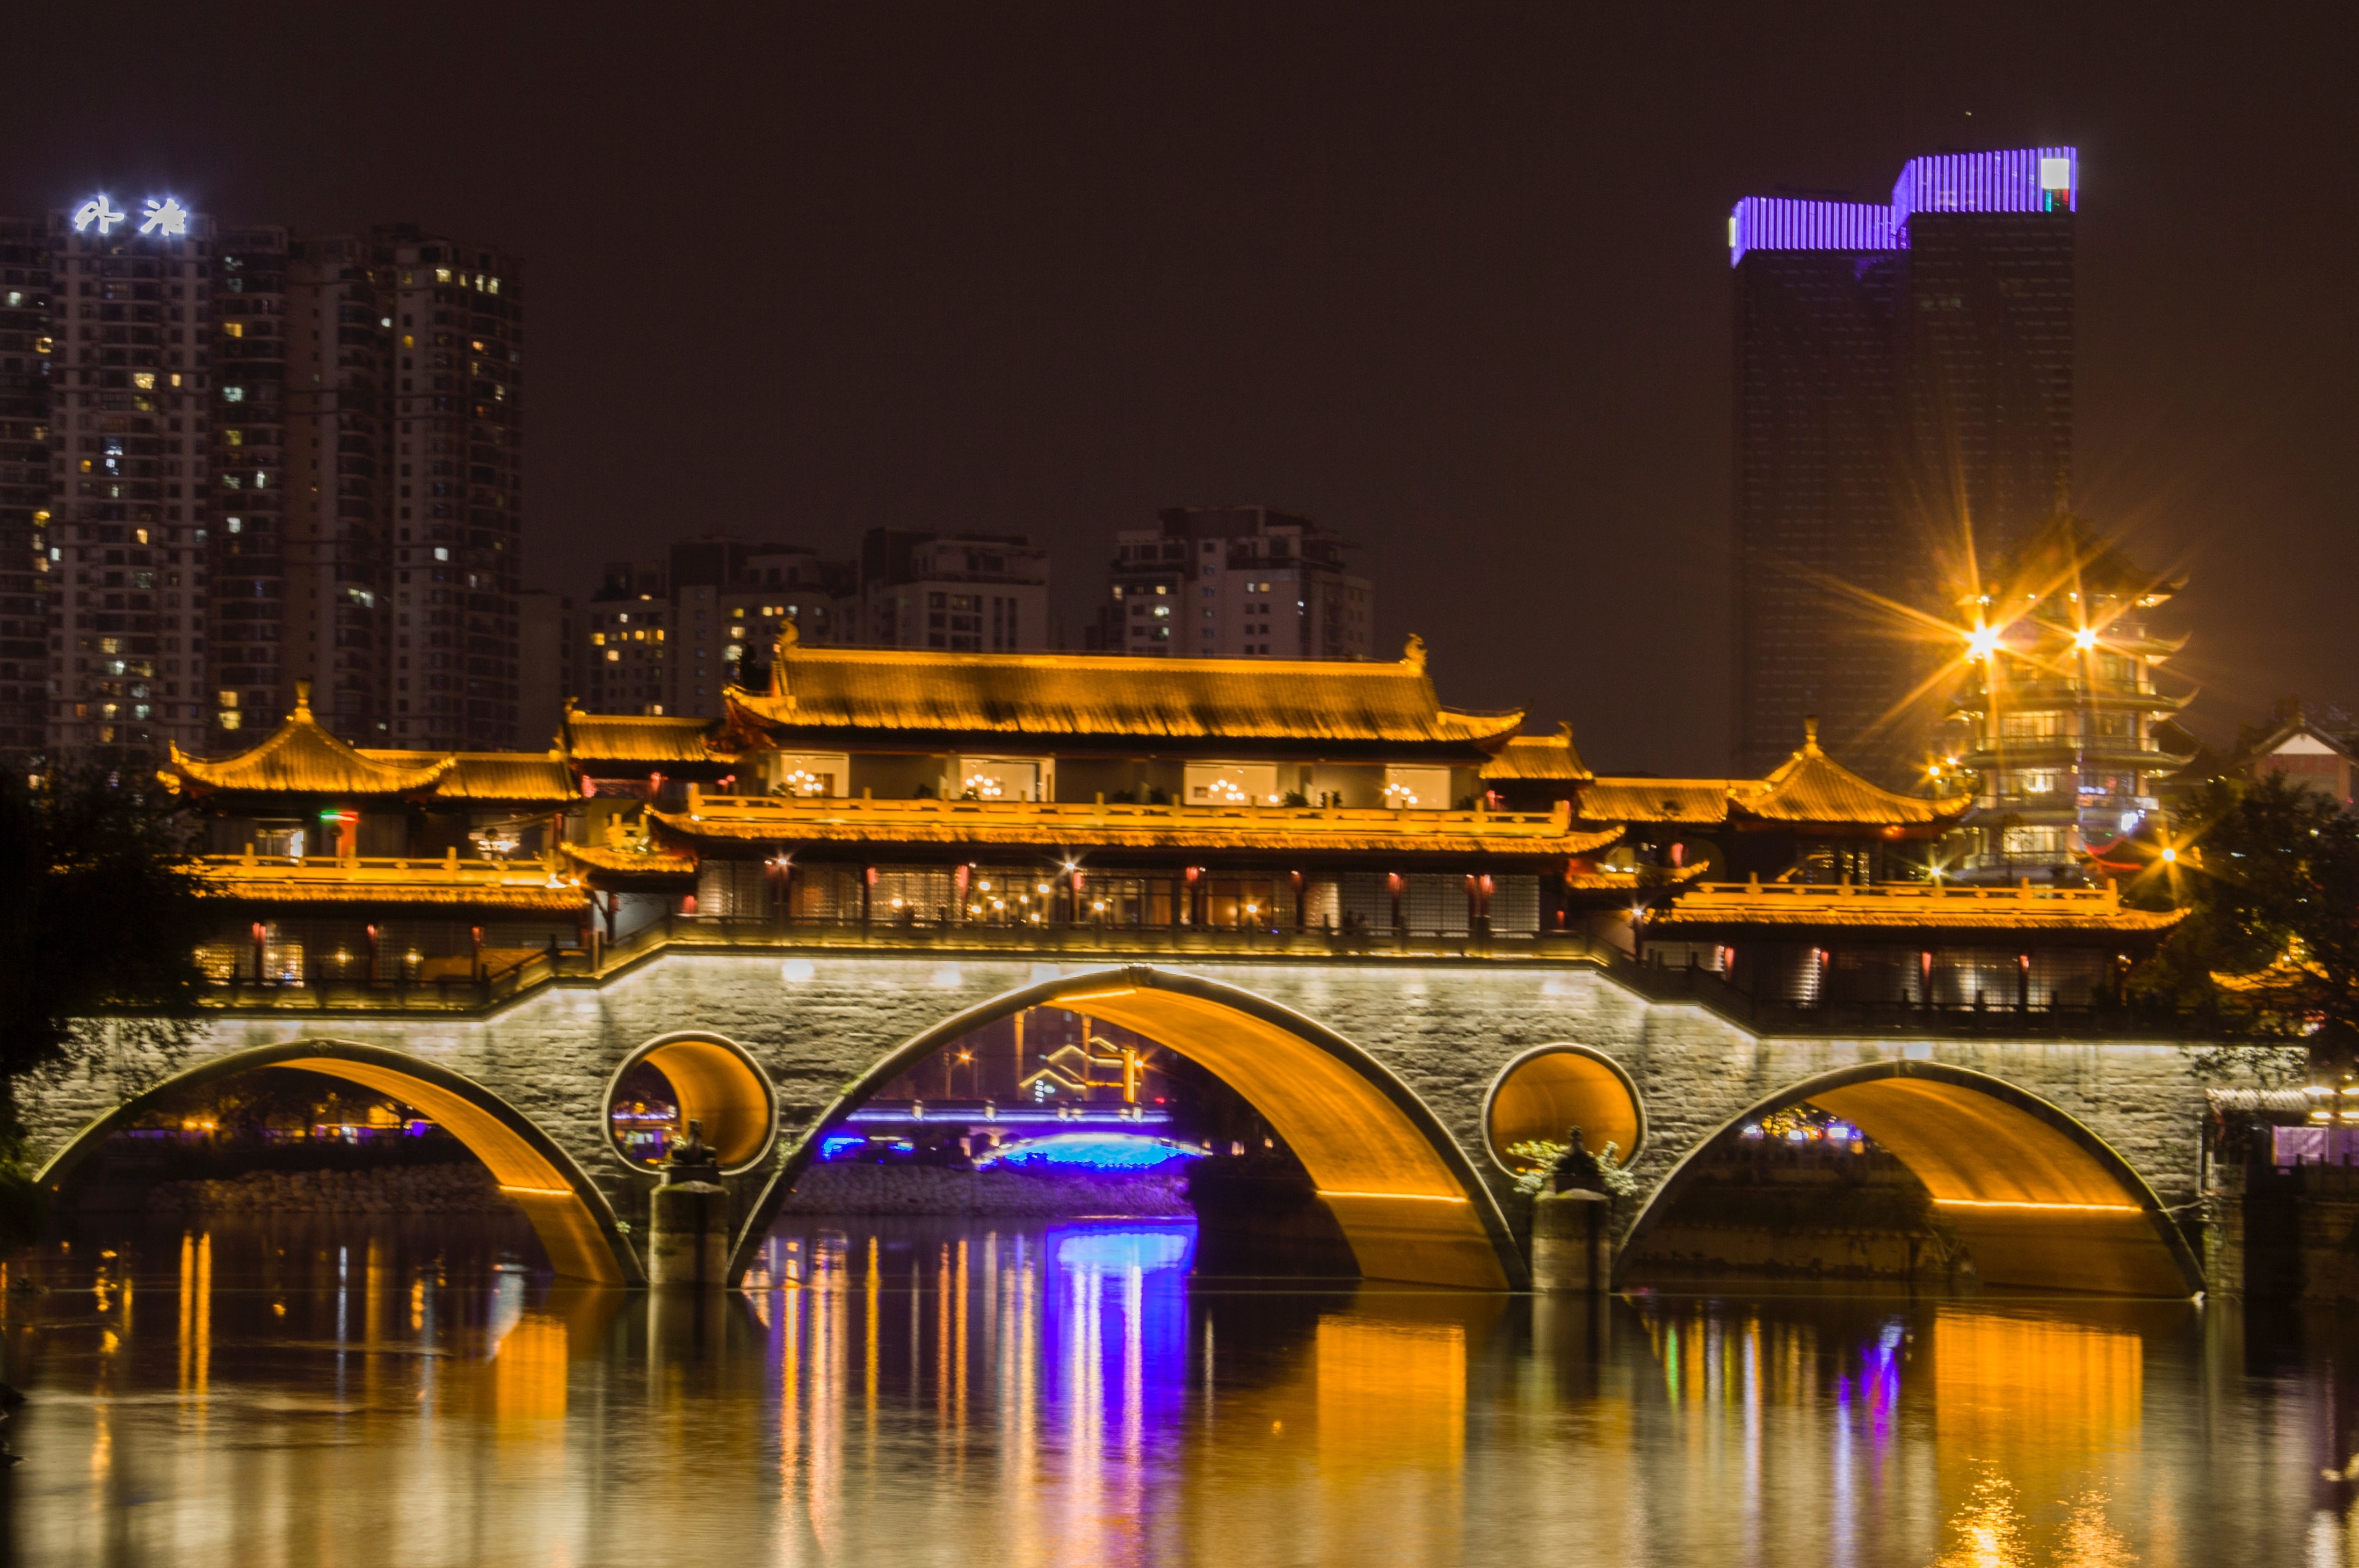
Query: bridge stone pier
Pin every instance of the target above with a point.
(2061, 1160)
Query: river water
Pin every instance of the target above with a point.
(306, 1391)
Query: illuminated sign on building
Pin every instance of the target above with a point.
(100, 210)
(164, 217)
(2027, 180)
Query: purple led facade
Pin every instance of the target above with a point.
(1786, 222)
(2023, 180)
(2029, 180)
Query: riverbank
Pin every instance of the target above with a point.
(444, 1189)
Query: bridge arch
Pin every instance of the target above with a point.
(1551, 1087)
(2039, 1199)
(1405, 1193)
(573, 1218)
(719, 1086)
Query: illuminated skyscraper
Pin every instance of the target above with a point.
(130, 321)
(1904, 394)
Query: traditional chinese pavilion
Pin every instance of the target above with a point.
(869, 790)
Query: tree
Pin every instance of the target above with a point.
(101, 916)
(2270, 877)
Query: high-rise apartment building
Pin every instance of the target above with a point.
(1904, 405)
(967, 593)
(25, 302)
(253, 665)
(207, 440)
(338, 503)
(1236, 582)
(130, 460)
(457, 404)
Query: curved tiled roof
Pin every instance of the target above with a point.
(1699, 801)
(630, 737)
(1539, 758)
(1812, 787)
(1911, 907)
(1076, 695)
(304, 758)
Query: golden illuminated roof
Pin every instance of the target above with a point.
(508, 776)
(1696, 801)
(1900, 906)
(1539, 758)
(1061, 694)
(530, 887)
(1812, 787)
(1118, 825)
(657, 742)
(304, 758)
(610, 864)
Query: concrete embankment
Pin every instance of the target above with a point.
(448, 1189)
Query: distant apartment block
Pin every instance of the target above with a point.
(1236, 582)
(964, 593)
(664, 637)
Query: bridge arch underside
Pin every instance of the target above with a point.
(1402, 1192)
(573, 1218)
(2038, 1200)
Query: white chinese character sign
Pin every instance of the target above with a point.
(100, 212)
(163, 217)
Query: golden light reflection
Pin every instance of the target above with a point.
(1391, 1395)
(528, 1378)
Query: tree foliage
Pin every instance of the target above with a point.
(101, 915)
(2270, 944)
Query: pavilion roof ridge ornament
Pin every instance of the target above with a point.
(303, 757)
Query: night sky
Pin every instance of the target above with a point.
(1452, 280)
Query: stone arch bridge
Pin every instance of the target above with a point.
(2064, 1162)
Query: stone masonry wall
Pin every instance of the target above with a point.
(1446, 1028)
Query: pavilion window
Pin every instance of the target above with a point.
(1435, 903)
(1515, 907)
(1366, 901)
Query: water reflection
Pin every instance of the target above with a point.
(302, 1392)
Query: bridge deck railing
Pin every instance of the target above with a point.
(323, 991)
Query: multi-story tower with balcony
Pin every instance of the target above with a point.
(2061, 705)
(129, 441)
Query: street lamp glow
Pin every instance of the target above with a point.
(1982, 643)
(2086, 638)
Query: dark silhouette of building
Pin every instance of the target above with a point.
(1904, 406)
